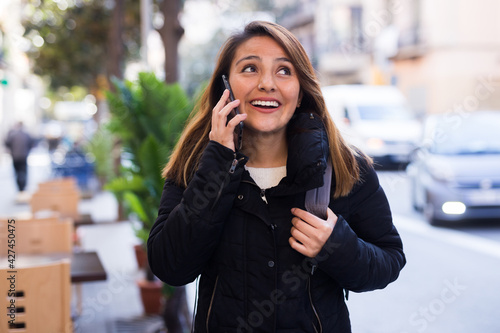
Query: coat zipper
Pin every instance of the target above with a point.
(273, 230)
(211, 302)
(313, 307)
(234, 164)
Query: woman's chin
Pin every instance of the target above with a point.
(263, 127)
(263, 130)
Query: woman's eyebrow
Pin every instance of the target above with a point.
(282, 59)
(250, 57)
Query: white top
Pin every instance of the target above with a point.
(267, 177)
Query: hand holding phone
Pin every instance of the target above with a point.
(239, 128)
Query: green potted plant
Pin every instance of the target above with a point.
(100, 147)
(147, 118)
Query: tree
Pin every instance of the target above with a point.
(82, 43)
(115, 43)
(171, 33)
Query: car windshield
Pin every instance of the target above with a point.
(467, 135)
(384, 112)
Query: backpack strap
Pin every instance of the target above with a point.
(318, 199)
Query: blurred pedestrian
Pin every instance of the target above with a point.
(19, 143)
(236, 214)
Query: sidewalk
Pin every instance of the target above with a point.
(111, 306)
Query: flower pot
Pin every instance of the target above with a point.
(141, 256)
(151, 296)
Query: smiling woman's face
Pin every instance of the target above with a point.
(263, 78)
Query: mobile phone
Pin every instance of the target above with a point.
(239, 128)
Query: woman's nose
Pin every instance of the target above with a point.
(267, 83)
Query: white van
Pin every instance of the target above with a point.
(375, 119)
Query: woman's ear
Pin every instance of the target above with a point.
(299, 100)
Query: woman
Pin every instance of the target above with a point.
(237, 217)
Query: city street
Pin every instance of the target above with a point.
(451, 282)
(106, 91)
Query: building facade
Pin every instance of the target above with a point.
(340, 36)
(448, 56)
(444, 55)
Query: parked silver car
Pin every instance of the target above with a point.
(455, 174)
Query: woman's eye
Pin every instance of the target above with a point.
(248, 69)
(285, 71)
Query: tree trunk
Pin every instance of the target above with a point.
(171, 33)
(176, 312)
(115, 48)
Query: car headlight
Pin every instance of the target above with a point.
(375, 143)
(453, 208)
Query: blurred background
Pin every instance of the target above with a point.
(104, 87)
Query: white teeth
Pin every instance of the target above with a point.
(266, 103)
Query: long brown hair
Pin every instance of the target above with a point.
(186, 155)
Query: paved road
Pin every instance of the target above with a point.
(451, 282)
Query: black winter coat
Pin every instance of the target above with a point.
(224, 227)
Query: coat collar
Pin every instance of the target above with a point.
(307, 155)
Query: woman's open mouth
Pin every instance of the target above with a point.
(266, 105)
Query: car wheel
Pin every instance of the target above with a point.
(429, 210)
(414, 198)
